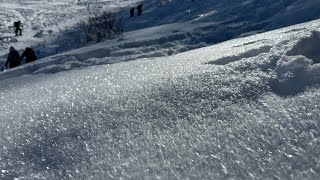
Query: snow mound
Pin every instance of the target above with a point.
(308, 47)
(299, 67)
(247, 54)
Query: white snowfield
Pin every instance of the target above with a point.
(240, 109)
(247, 108)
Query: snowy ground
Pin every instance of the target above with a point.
(247, 108)
(50, 27)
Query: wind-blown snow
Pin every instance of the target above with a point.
(247, 108)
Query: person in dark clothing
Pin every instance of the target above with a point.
(29, 54)
(139, 8)
(17, 26)
(13, 58)
(132, 12)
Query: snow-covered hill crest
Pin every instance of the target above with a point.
(166, 28)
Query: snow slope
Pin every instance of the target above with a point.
(244, 109)
(51, 27)
(247, 108)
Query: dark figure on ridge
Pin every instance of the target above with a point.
(17, 26)
(132, 12)
(139, 8)
(13, 58)
(29, 54)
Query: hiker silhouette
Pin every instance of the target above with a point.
(132, 12)
(29, 54)
(17, 26)
(13, 58)
(139, 8)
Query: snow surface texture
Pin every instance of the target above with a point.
(247, 108)
(244, 109)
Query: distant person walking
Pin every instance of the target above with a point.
(29, 54)
(13, 58)
(131, 12)
(139, 8)
(17, 26)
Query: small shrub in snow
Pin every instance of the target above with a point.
(101, 24)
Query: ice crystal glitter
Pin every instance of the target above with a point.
(243, 109)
